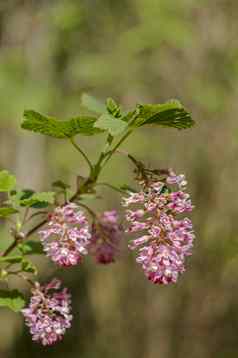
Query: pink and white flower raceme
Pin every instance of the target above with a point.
(106, 238)
(166, 239)
(66, 236)
(49, 312)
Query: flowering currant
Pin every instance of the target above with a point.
(165, 239)
(66, 236)
(158, 229)
(106, 238)
(49, 312)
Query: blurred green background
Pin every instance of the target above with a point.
(134, 51)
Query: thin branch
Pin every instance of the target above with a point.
(111, 152)
(111, 187)
(81, 152)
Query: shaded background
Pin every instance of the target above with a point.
(134, 51)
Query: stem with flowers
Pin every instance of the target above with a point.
(69, 230)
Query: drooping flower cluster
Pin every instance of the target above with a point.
(66, 236)
(106, 238)
(165, 239)
(49, 312)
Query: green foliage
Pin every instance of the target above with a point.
(29, 267)
(113, 108)
(36, 122)
(29, 198)
(11, 259)
(59, 184)
(7, 211)
(7, 181)
(12, 299)
(37, 199)
(31, 248)
(113, 125)
(170, 114)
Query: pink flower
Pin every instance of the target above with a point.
(166, 239)
(106, 238)
(49, 313)
(66, 236)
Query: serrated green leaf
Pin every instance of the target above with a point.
(31, 248)
(12, 299)
(169, 114)
(113, 125)
(60, 184)
(11, 259)
(113, 108)
(38, 199)
(92, 104)
(29, 267)
(26, 194)
(52, 127)
(5, 212)
(17, 196)
(7, 181)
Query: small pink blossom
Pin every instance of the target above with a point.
(106, 238)
(49, 312)
(66, 236)
(166, 239)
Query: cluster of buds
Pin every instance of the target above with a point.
(106, 238)
(166, 239)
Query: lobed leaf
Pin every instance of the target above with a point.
(114, 126)
(29, 267)
(36, 122)
(113, 108)
(31, 248)
(93, 104)
(37, 199)
(12, 299)
(11, 259)
(7, 211)
(60, 185)
(169, 114)
(7, 181)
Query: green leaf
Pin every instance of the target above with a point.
(11, 259)
(12, 299)
(26, 194)
(5, 212)
(7, 181)
(27, 266)
(169, 114)
(92, 104)
(31, 248)
(39, 200)
(60, 184)
(113, 125)
(17, 197)
(36, 122)
(113, 108)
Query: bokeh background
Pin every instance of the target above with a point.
(145, 51)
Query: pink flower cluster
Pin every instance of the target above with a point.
(106, 238)
(66, 236)
(165, 239)
(49, 312)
